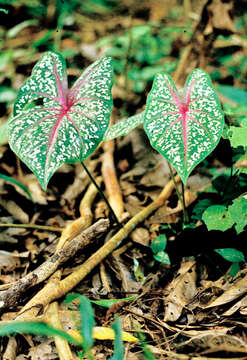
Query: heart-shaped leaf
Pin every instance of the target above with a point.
(71, 122)
(186, 125)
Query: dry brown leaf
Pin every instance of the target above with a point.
(141, 236)
(240, 305)
(233, 292)
(219, 15)
(14, 210)
(8, 261)
(43, 351)
(33, 185)
(181, 291)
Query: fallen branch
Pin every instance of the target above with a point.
(9, 297)
(52, 291)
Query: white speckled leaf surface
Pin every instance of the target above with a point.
(184, 126)
(123, 127)
(71, 122)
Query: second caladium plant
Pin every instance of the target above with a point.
(71, 122)
(184, 126)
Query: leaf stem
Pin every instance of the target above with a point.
(103, 196)
(186, 217)
(179, 195)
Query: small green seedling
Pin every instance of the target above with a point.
(234, 256)
(70, 123)
(158, 246)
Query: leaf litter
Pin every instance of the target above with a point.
(188, 310)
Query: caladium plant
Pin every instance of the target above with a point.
(184, 126)
(70, 123)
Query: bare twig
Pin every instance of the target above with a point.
(110, 179)
(86, 218)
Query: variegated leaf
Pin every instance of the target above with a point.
(123, 127)
(186, 125)
(71, 122)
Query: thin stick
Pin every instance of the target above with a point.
(33, 226)
(109, 175)
(84, 221)
(102, 195)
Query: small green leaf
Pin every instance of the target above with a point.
(87, 322)
(16, 182)
(237, 136)
(109, 302)
(231, 254)
(216, 217)
(159, 243)
(235, 94)
(184, 126)
(118, 341)
(238, 212)
(162, 257)
(123, 127)
(35, 328)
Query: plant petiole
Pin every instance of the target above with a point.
(103, 196)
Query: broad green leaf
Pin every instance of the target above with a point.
(36, 328)
(71, 122)
(87, 322)
(162, 257)
(234, 269)
(200, 207)
(237, 136)
(238, 212)
(123, 127)
(159, 243)
(235, 94)
(216, 217)
(118, 341)
(231, 254)
(184, 126)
